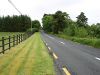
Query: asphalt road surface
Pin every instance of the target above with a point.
(79, 59)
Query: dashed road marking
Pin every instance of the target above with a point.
(62, 42)
(55, 56)
(97, 58)
(66, 71)
(49, 36)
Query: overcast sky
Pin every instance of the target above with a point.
(36, 8)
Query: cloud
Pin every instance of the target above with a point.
(36, 8)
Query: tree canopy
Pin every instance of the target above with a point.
(55, 22)
(36, 24)
(81, 20)
(60, 22)
(15, 23)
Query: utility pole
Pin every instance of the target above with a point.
(18, 10)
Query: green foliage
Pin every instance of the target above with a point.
(15, 23)
(36, 24)
(88, 41)
(81, 32)
(60, 18)
(94, 30)
(47, 21)
(78, 31)
(81, 20)
(31, 31)
(55, 22)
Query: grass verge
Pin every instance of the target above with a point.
(28, 58)
(88, 41)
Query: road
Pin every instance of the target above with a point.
(77, 58)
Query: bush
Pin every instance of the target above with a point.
(29, 31)
(81, 32)
(87, 41)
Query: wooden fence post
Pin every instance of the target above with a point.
(3, 46)
(17, 39)
(21, 38)
(13, 40)
(9, 42)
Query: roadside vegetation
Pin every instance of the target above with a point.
(28, 58)
(80, 31)
(88, 41)
(21, 23)
(14, 25)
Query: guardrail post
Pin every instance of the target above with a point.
(3, 46)
(9, 42)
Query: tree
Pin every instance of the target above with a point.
(36, 24)
(55, 22)
(59, 22)
(15, 23)
(81, 20)
(47, 21)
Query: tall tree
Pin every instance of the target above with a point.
(81, 20)
(47, 21)
(15, 23)
(60, 18)
(36, 24)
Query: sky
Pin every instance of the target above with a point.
(36, 8)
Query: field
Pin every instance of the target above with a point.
(6, 34)
(28, 58)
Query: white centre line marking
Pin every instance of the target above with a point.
(62, 42)
(50, 37)
(97, 58)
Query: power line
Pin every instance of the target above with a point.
(17, 10)
(14, 6)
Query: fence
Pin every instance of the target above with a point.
(11, 41)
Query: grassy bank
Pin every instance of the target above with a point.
(28, 58)
(88, 41)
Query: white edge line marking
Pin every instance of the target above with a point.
(49, 48)
(97, 58)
